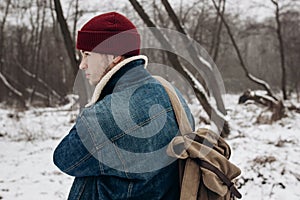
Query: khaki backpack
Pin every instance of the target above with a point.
(204, 169)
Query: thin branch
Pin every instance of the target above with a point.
(9, 86)
(5, 15)
(215, 27)
(159, 14)
(260, 82)
(216, 49)
(75, 20)
(39, 80)
(188, 11)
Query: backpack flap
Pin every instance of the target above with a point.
(217, 171)
(213, 140)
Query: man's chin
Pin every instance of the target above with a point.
(93, 83)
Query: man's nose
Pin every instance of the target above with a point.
(83, 64)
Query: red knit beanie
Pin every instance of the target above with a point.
(109, 33)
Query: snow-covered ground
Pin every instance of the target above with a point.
(27, 141)
(268, 155)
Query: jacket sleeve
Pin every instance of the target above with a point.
(73, 158)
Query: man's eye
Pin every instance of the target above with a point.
(87, 54)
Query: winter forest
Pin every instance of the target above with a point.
(248, 49)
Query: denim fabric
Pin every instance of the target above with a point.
(117, 148)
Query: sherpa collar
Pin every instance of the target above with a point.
(99, 87)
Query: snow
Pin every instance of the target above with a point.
(268, 154)
(27, 141)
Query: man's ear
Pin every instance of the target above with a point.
(117, 59)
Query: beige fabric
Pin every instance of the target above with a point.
(211, 186)
(181, 117)
(189, 187)
(210, 179)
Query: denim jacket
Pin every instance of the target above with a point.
(117, 147)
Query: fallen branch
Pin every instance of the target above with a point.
(9, 86)
(39, 80)
(275, 106)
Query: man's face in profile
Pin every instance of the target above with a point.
(94, 65)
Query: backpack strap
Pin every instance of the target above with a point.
(182, 120)
(189, 188)
(222, 177)
(187, 167)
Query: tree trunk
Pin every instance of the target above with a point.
(218, 36)
(75, 21)
(215, 25)
(219, 119)
(2, 39)
(81, 86)
(38, 47)
(67, 37)
(281, 49)
(2, 32)
(193, 53)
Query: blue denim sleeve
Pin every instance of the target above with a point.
(72, 157)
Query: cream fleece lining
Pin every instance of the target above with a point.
(99, 87)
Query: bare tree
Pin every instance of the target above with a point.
(38, 42)
(281, 50)
(8, 2)
(67, 36)
(83, 92)
(290, 31)
(276, 105)
(158, 16)
(7, 84)
(195, 57)
(76, 15)
(183, 15)
(215, 43)
(201, 95)
(258, 81)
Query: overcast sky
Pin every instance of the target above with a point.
(258, 9)
(246, 8)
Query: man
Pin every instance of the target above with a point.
(117, 147)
